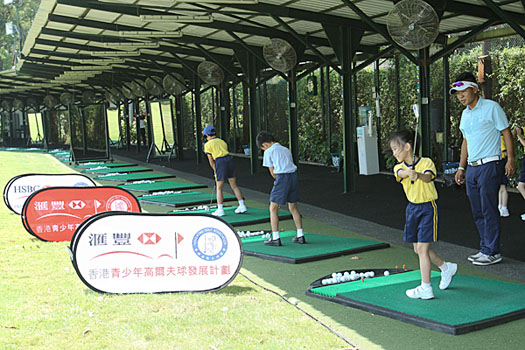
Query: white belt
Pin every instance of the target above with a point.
(484, 160)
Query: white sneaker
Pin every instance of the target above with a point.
(241, 209)
(474, 256)
(420, 293)
(504, 212)
(218, 212)
(446, 277)
(488, 259)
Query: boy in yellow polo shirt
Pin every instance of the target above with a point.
(422, 224)
(222, 164)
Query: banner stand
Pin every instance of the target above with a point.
(166, 151)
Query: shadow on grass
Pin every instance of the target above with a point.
(235, 290)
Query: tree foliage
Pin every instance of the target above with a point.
(8, 13)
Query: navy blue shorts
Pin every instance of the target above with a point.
(285, 189)
(224, 168)
(504, 179)
(522, 174)
(422, 222)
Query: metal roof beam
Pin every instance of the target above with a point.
(450, 48)
(179, 50)
(137, 11)
(487, 12)
(511, 20)
(373, 58)
(316, 17)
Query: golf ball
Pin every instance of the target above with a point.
(387, 273)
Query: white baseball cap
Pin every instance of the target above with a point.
(461, 85)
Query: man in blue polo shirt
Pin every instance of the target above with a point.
(482, 123)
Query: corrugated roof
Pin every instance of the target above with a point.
(69, 33)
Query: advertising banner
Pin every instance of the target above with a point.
(155, 253)
(53, 214)
(20, 187)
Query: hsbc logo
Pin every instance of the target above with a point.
(77, 204)
(149, 238)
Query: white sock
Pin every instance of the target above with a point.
(425, 285)
(443, 267)
(241, 203)
(503, 207)
(499, 206)
(275, 235)
(300, 232)
(220, 206)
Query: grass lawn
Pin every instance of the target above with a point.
(44, 305)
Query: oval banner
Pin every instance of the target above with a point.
(20, 187)
(156, 253)
(53, 214)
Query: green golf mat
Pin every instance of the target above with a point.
(252, 216)
(106, 170)
(102, 164)
(470, 303)
(133, 177)
(22, 149)
(317, 247)
(155, 186)
(183, 199)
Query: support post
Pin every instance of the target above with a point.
(223, 123)
(348, 37)
(446, 108)
(234, 117)
(292, 116)
(198, 121)
(398, 93)
(178, 121)
(328, 109)
(377, 96)
(424, 102)
(137, 123)
(252, 74)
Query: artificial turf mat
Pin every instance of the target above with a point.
(155, 186)
(317, 247)
(183, 199)
(469, 304)
(103, 164)
(252, 216)
(133, 177)
(22, 149)
(106, 170)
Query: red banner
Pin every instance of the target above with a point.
(53, 214)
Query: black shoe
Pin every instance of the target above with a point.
(273, 242)
(299, 240)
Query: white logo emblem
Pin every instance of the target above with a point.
(77, 204)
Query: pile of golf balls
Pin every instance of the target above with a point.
(244, 234)
(338, 277)
(200, 207)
